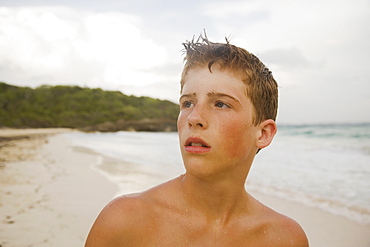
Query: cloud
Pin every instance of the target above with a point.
(251, 10)
(63, 45)
(317, 50)
(287, 59)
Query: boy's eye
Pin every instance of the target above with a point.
(187, 104)
(220, 104)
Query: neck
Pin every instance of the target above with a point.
(216, 200)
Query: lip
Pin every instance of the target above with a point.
(196, 149)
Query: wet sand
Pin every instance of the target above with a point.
(50, 195)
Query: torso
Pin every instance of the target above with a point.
(158, 220)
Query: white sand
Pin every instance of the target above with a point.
(51, 199)
(50, 196)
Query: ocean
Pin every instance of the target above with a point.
(322, 166)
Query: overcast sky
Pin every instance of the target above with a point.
(318, 50)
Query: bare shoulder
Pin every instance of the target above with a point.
(126, 219)
(289, 232)
(121, 221)
(284, 231)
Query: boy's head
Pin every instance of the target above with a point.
(262, 88)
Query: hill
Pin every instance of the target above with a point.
(83, 108)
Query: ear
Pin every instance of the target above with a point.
(267, 131)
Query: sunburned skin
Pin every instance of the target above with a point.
(208, 205)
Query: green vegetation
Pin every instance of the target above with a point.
(76, 107)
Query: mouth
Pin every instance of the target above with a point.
(196, 145)
(196, 142)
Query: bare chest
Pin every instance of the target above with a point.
(183, 232)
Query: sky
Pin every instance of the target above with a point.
(317, 50)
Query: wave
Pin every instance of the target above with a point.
(327, 131)
(345, 209)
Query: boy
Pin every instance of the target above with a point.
(228, 105)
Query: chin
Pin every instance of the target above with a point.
(203, 169)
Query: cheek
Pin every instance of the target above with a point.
(238, 139)
(180, 121)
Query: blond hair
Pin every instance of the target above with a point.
(262, 88)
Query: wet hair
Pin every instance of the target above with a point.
(262, 88)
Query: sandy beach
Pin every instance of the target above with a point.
(50, 195)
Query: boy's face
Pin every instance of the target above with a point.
(215, 124)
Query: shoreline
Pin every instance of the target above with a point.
(322, 228)
(23, 144)
(63, 187)
(49, 196)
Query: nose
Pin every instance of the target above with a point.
(198, 117)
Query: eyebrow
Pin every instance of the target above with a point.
(211, 94)
(219, 95)
(187, 95)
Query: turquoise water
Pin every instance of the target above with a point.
(323, 166)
